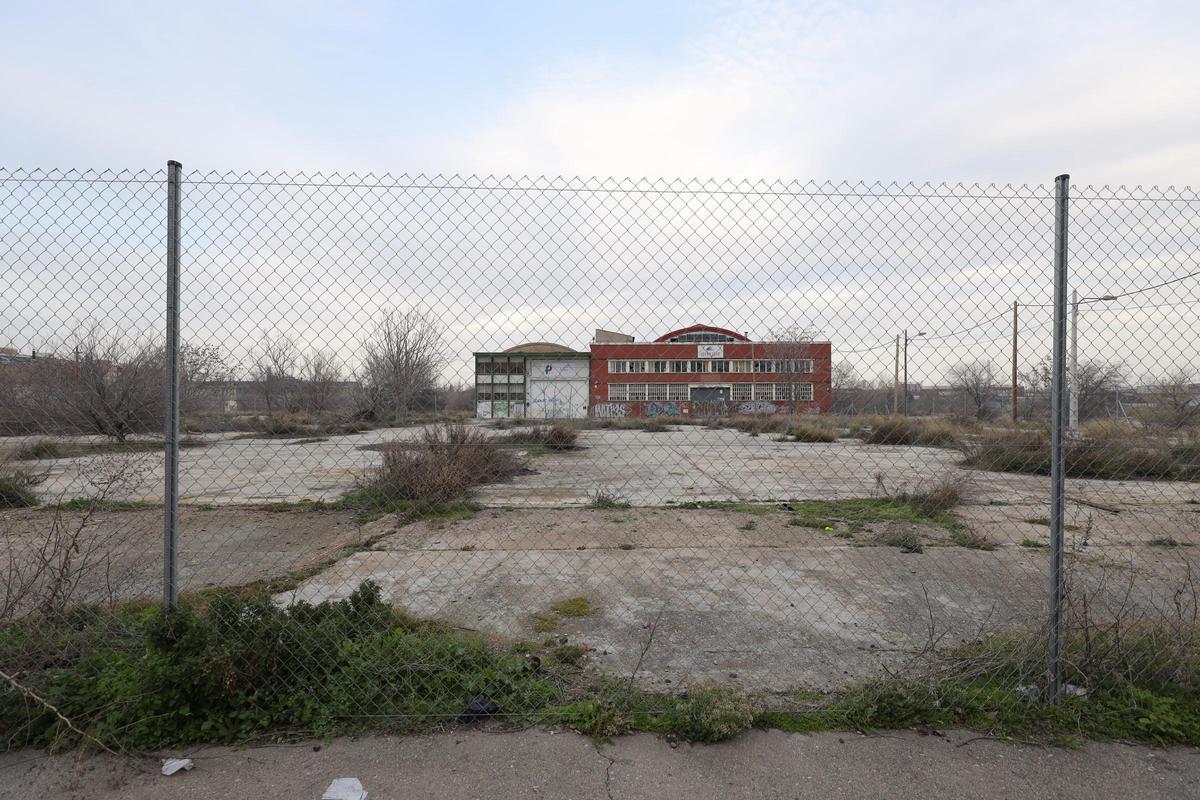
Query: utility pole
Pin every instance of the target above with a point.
(896, 381)
(1014, 364)
(1074, 376)
(171, 461)
(904, 385)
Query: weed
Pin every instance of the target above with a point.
(910, 431)
(971, 540)
(749, 525)
(757, 509)
(38, 450)
(310, 440)
(939, 498)
(1033, 543)
(606, 499)
(573, 607)
(16, 487)
(625, 546)
(655, 425)
(714, 713)
(97, 504)
(1167, 541)
(1105, 458)
(543, 623)
(907, 540)
(557, 437)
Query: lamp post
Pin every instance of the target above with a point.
(908, 338)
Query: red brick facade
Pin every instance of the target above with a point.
(737, 377)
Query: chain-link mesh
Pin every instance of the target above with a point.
(456, 447)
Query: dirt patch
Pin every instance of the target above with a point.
(220, 547)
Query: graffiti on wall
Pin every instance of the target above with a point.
(610, 410)
(757, 407)
(661, 410)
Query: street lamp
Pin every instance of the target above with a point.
(907, 338)
(1073, 383)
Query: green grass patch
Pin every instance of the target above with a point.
(232, 665)
(310, 440)
(572, 607)
(606, 500)
(51, 449)
(858, 513)
(1033, 543)
(16, 489)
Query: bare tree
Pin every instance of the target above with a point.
(402, 357)
(204, 377)
(847, 388)
(274, 371)
(790, 350)
(107, 386)
(1175, 399)
(976, 380)
(321, 374)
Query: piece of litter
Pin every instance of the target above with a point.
(1029, 692)
(1075, 691)
(345, 789)
(172, 765)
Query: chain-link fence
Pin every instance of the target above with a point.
(589, 450)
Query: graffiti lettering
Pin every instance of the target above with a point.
(610, 410)
(757, 407)
(661, 410)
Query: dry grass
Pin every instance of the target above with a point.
(559, 436)
(16, 486)
(912, 432)
(1113, 451)
(442, 466)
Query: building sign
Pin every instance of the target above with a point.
(710, 351)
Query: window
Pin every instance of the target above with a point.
(516, 396)
(483, 368)
(718, 366)
(656, 391)
(660, 366)
(618, 391)
(516, 368)
(696, 366)
(637, 391)
(739, 365)
(483, 396)
(635, 366)
(764, 366)
(804, 391)
(615, 367)
(679, 366)
(677, 391)
(702, 337)
(740, 392)
(764, 391)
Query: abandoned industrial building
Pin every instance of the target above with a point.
(700, 370)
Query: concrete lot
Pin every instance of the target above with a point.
(560, 765)
(773, 604)
(743, 596)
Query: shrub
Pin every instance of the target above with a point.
(809, 432)
(442, 466)
(230, 668)
(939, 498)
(909, 431)
(909, 541)
(287, 424)
(714, 713)
(1125, 457)
(37, 450)
(16, 487)
(559, 436)
(655, 425)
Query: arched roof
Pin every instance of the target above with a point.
(702, 329)
(540, 347)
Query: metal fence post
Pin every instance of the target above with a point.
(1057, 419)
(171, 471)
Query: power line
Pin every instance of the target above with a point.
(1109, 297)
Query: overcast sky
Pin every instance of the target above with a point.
(986, 91)
(991, 94)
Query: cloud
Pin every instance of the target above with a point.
(990, 93)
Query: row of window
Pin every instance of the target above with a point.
(500, 368)
(738, 392)
(793, 366)
(514, 396)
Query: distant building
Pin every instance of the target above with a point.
(537, 380)
(703, 370)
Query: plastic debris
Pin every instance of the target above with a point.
(345, 789)
(1029, 692)
(172, 765)
(1075, 691)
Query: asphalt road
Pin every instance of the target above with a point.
(466, 764)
